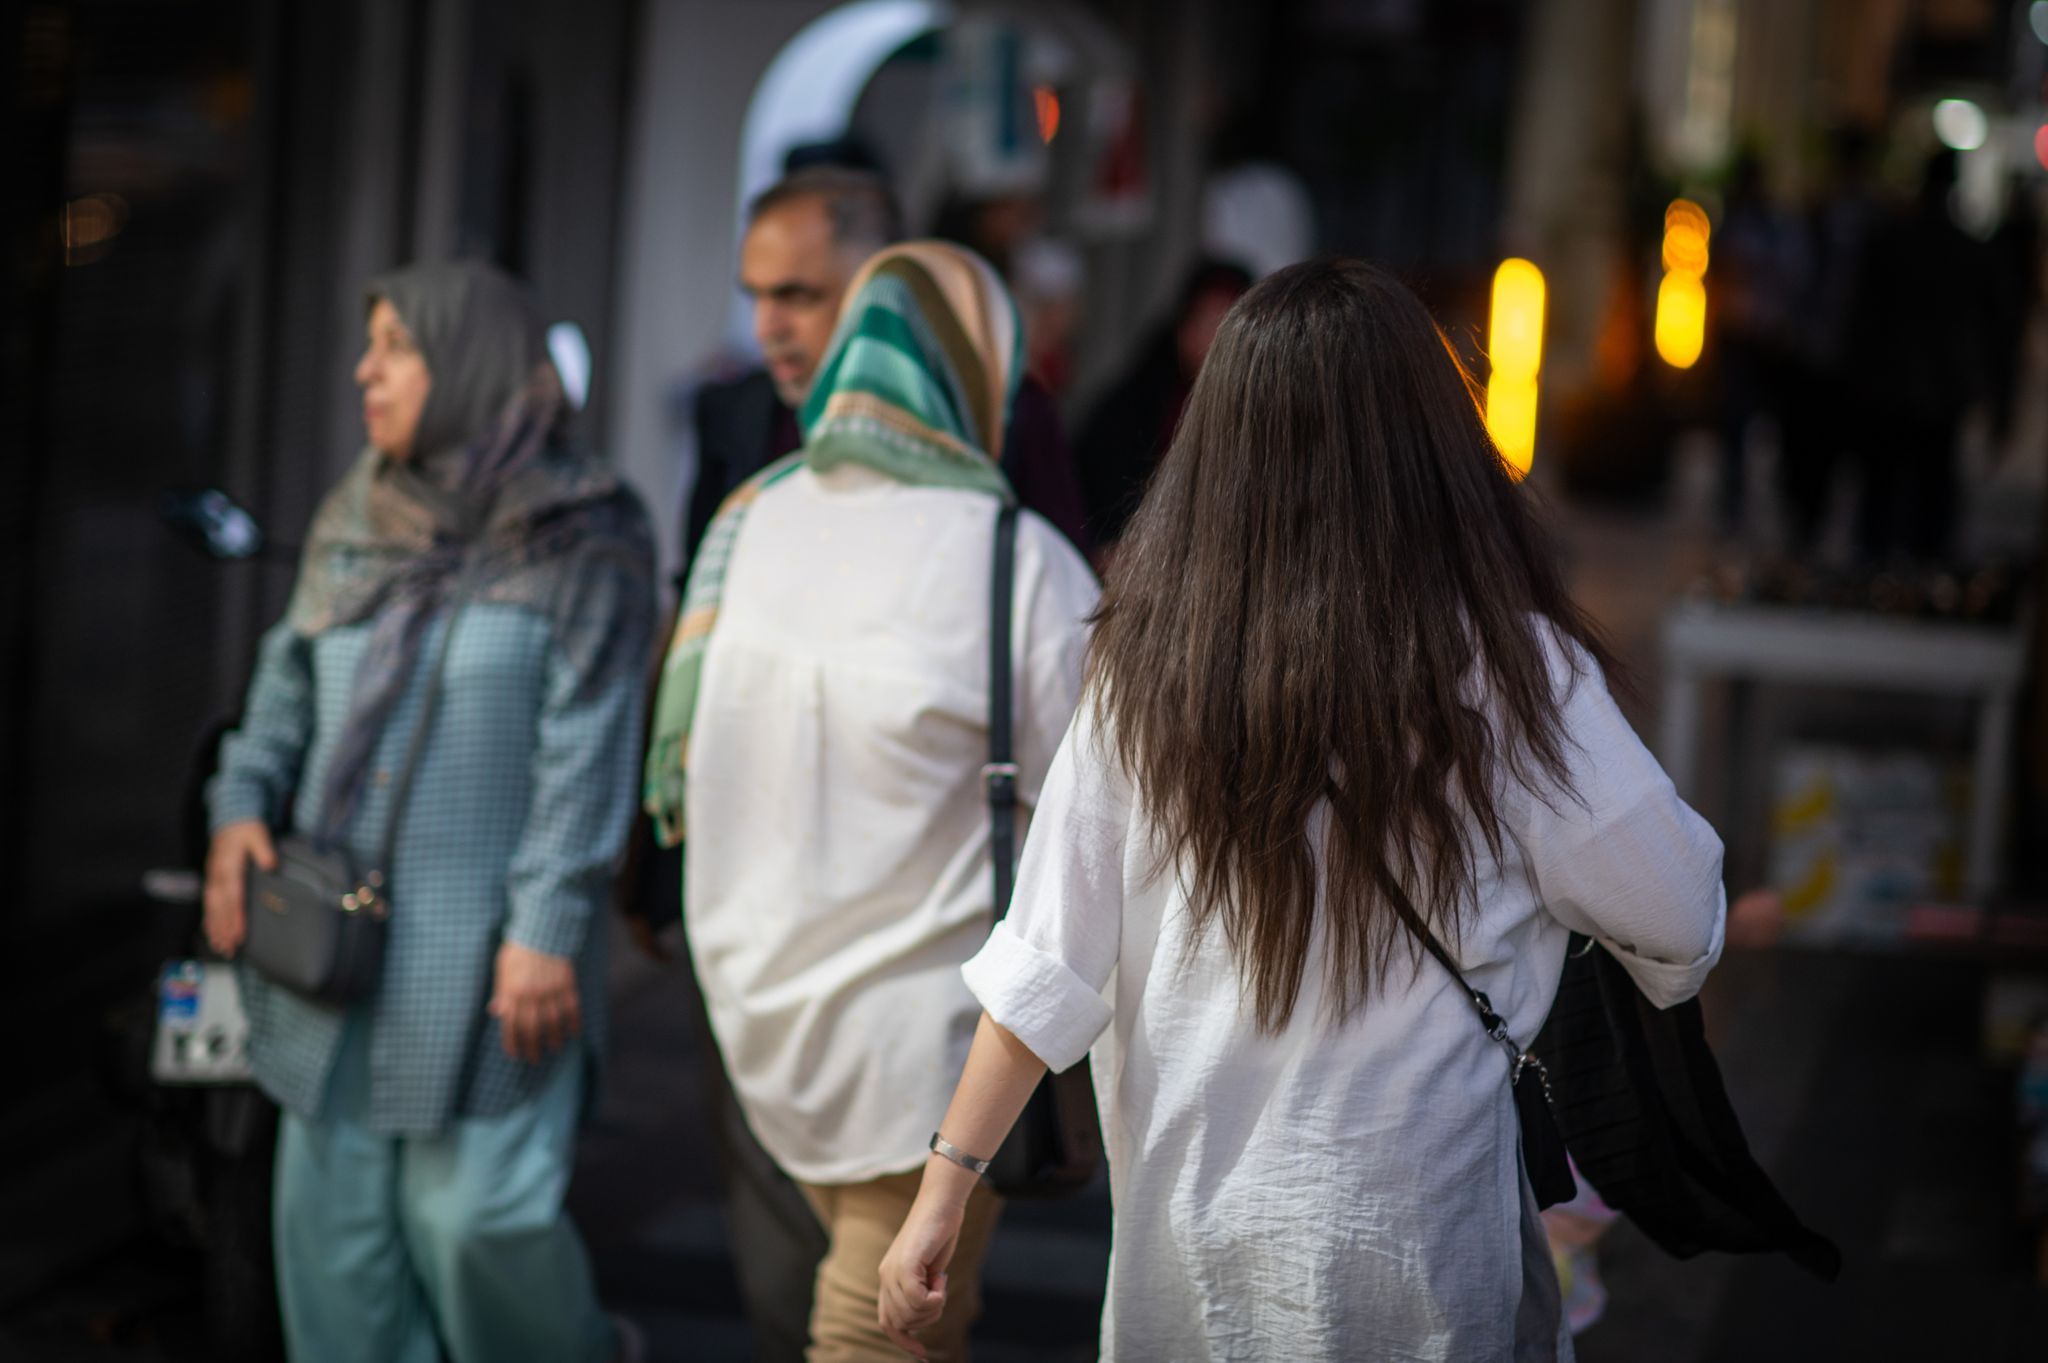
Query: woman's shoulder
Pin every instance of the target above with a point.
(1051, 555)
(582, 476)
(1571, 664)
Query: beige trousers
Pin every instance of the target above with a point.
(861, 1221)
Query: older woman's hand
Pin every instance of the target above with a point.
(227, 871)
(535, 1002)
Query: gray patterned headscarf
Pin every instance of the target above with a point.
(491, 485)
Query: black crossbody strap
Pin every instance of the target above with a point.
(999, 777)
(1496, 1026)
(417, 745)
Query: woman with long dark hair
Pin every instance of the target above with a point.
(1338, 697)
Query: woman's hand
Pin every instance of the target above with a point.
(227, 871)
(1756, 920)
(535, 1002)
(913, 1273)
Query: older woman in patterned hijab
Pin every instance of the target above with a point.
(428, 1129)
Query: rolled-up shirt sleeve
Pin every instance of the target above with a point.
(1619, 856)
(1043, 972)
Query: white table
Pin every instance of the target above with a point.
(1800, 647)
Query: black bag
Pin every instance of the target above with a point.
(1543, 1145)
(1642, 1108)
(316, 924)
(1056, 1145)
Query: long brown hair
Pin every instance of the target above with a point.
(1334, 592)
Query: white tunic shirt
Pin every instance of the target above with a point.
(838, 866)
(1330, 1193)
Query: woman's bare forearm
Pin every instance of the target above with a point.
(1000, 1074)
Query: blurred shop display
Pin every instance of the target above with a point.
(1860, 835)
(1014, 95)
(996, 142)
(1987, 593)
(1752, 641)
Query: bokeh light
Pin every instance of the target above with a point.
(90, 226)
(1515, 347)
(1511, 417)
(1045, 102)
(1686, 232)
(1960, 124)
(1681, 319)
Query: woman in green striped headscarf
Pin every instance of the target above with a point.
(826, 696)
(917, 384)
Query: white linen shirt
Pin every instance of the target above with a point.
(1346, 1192)
(838, 868)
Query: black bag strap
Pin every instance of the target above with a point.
(999, 777)
(417, 744)
(1496, 1026)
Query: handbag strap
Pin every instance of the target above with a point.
(1495, 1025)
(417, 744)
(999, 776)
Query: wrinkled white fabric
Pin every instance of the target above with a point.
(1331, 1192)
(838, 866)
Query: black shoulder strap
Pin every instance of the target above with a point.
(1496, 1026)
(1000, 775)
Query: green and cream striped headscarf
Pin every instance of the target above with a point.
(916, 384)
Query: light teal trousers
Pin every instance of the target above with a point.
(391, 1249)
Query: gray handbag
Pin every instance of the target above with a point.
(316, 924)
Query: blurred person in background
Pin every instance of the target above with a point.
(993, 226)
(1123, 438)
(2016, 258)
(806, 235)
(1048, 283)
(823, 724)
(428, 1130)
(1338, 698)
(1759, 270)
(1920, 351)
(1818, 416)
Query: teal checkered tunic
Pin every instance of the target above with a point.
(519, 809)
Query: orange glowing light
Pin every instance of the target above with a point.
(1684, 212)
(1681, 325)
(1686, 232)
(1511, 417)
(1685, 249)
(1681, 328)
(90, 225)
(2041, 145)
(1046, 101)
(1515, 345)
